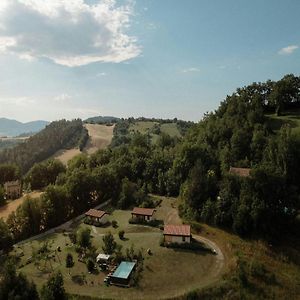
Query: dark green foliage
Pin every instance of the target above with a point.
(109, 243)
(121, 234)
(2, 196)
(83, 139)
(83, 237)
(43, 174)
(6, 238)
(69, 260)
(26, 220)
(8, 172)
(54, 288)
(15, 286)
(90, 265)
(152, 223)
(57, 135)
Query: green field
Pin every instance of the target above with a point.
(292, 118)
(154, 129)
(167, 272)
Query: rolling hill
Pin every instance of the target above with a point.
(10, 127)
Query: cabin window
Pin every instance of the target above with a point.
(183, 238)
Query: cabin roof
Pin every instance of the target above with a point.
(95, 213)
(180, 230)
(143, 211)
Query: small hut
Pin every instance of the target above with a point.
(144, 214)
(96, 216)
(13, 189)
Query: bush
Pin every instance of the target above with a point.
(152, 223)
(114, 223)
(84, 237)
(121, 234)
(90, 265)
(194, 246)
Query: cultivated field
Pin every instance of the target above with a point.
(100, 138)
(14, 204)
(167, 272)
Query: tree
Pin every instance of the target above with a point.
(15, 286)
(69, 261)
(54, 288)
(121, 234)
(109, 243)
(6, 239)
(2, 194)
(84, 237)
(90, 265)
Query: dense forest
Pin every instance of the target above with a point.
(196, 167)
(57, 135)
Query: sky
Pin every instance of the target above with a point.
(153, 58)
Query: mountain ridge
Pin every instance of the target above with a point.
(11, 127)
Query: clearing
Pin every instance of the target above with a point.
(12, 205)
(154, 129)
(167, 272)
(291, 118)
(100, 138)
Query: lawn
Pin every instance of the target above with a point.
(292, 118)
(167, 272)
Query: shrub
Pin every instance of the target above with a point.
(121, 234)
(90, 265)
(114, 223)
(84, 237)
(194, 246)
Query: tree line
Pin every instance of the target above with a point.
(58, 135)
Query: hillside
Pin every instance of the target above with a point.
(100, 137)
(57, 135)
(154, 129)
(290, 117)
(14, 128)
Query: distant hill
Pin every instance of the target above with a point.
(57, 135)
(102, 120)
(14, 128)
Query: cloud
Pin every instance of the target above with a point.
(101, 74)
(68, 32)
(20, 101)
(62, 97)
(189, 70)
(288, 50)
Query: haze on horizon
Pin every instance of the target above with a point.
(171, 58)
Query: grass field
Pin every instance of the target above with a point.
(145, 127)
(290, 117)
(100, 138)
(167, 273)
(12, 205)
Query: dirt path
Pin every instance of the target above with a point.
(7, 209)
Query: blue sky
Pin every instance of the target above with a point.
(154, 58)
